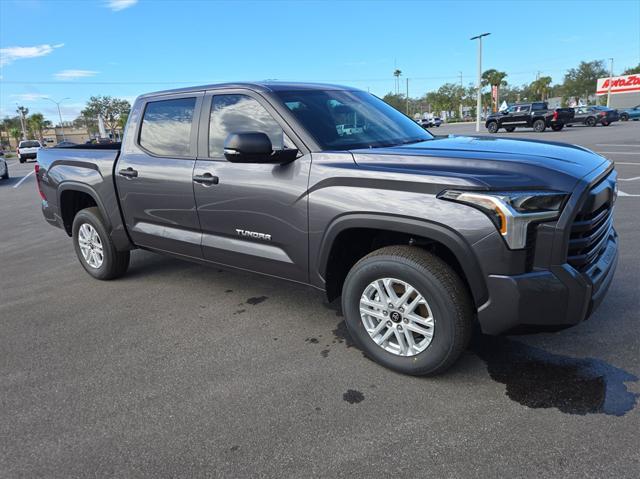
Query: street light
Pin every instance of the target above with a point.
(479, 102)
(59, 114)
(610, 82)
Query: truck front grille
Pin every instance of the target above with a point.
(592, 226)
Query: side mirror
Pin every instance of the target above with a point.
(255, 147)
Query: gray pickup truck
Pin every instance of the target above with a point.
(422, 237)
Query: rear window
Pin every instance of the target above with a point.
(29, 144)
(166, 127)
(539, 106)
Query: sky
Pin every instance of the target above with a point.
(64, 49)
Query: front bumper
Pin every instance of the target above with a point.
(556, 298)
(28, 156)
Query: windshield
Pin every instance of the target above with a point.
(344, 120)
(29, 144)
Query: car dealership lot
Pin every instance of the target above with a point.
(182, 370)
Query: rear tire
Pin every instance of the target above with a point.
(557, 127)
(6, 175)
(510, 129)
(432, 290)
(591, 121)
(493, 127)
(94, 247)
(539, 126)
(624, 117)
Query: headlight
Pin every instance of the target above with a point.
(512, 211)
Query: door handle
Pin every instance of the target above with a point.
(206, 179)
(128, 173)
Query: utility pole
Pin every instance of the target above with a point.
(21, 110)
(479, 99)
(461, 95)
(59, 114)
(407, 97)
(610, 81)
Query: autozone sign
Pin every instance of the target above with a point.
(623, 84)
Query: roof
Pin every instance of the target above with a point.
(264, 86)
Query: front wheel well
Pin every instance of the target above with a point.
(355, 243)
(71, 202)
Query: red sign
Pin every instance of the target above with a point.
(494, 92)
(623, 84)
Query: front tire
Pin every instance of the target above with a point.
(624, 117)
(94, 247)
(21, 160)
(408, 310)
(493, 127)
(591, 121)
(539, 126)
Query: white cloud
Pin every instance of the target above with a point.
(73, 74)
(29, 96)
(117, 5)
(11, 54)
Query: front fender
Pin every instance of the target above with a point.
(446, 236)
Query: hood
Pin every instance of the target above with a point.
(493, 163)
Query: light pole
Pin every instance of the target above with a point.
(59, 114)
(479, 100)
(610, 82)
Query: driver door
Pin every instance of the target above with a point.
(252, 215)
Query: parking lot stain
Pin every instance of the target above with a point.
(239, 311)
(538, 379)
(229, 291)
(341, 335)
(324, 353)
(256, 300)
(353, 397)
(311, 340)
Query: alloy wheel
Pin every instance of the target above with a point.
(397, 317)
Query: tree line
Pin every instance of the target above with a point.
(578, 82)
(114, 113)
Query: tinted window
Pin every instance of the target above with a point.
(524, 108)
(343, 120)
(166, 127)
(29, 144)
(240, 114)
(538, 106)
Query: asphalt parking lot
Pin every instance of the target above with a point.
(179, 370)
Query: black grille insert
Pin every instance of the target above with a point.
(592, 227)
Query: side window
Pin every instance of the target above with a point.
(512, 109)
(238, 114)
(166, 127)
(537, 106)
(523, 108)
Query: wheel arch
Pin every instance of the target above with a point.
(445, 242)
(74, 196)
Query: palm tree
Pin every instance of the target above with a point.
(16, 134)
(541, 87)
(494, 78)
(397, 74)
(37, 123)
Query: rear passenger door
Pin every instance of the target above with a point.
(254, 216)
(154, 174)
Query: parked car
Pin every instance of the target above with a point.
(430, 122)
(536, 115)
(4, 168)
(593, 115)
(437, 121)
(28, 150)
(627, 114)
(421, 236)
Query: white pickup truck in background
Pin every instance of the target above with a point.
(28, 149)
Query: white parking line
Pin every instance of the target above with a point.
(616, 144)
(622, 163)
(622, 193)
(618, 152)
(629, 179)
(23, 178)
